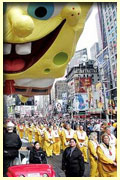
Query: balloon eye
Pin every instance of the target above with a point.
(41, 11)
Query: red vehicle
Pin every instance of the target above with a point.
(31, 170)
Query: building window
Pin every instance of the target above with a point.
(115, 22)
(112, 59)
(110, 18)
(112, 6)
(112, 26)
(107, 22)
(112, 34)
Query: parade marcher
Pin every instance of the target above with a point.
(37, 156)
(11, 145)
(26, 130)
(41, 135)
(36, 135)
(61, 129)
(113, 140)
(21, 129)
(82, 141)
(30, 133)
(56, 145)
(107, 158)
(68, 134)
(92, 147)
(72, 160)
(48, 142)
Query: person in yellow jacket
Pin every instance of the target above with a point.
(36, 135)
(107, 158)
(82, 141)
(92, 147)
(61, 130)
(30, 133)
(48, 142)
(56, 145)
(41, 131)
(21, 129)
(68, 134)
(26, 130)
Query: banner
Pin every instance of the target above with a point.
(81, 84)
(80, 102)
(71, 87)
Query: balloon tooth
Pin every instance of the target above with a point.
(23, 49)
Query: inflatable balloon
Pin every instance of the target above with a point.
(39, 40)
(23, 99)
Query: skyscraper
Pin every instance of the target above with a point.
(107, 56)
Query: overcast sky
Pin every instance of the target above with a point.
(89, 35)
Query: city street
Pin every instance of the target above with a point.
(60, 88)
(56, 162)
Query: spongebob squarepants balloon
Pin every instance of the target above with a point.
(39, 41)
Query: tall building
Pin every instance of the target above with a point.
(78, 58)
(79, 78)
(61, 87)
(94, 51)
(107, 56)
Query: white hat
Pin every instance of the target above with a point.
(10, 124)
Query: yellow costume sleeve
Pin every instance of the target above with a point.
(102, 157)
(46, 137)
(92, 149)
(53, 139)
(59, 132)
(75, 136)
(86, 140)
(63, 136)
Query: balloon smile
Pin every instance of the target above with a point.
(20, 57)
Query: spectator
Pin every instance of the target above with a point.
(11, 145)
(73, 161)
(37, 156)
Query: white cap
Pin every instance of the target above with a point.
(10, 124)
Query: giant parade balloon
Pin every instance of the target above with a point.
(39, 41)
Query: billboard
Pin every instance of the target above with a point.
(71, 87)
(80, 102)
(85, 82)
(81, 84)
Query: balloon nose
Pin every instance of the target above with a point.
(22, 25)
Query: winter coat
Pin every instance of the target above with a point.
(11, 145)
(37, 156)
(73, 165)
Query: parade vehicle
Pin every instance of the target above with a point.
(31, 170)
(22, 168)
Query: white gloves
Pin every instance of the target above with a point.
(66, 143)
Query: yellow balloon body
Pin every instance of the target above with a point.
(23, 99)
(20, 27)
(39, 41)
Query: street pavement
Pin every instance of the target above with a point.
(56, 162)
